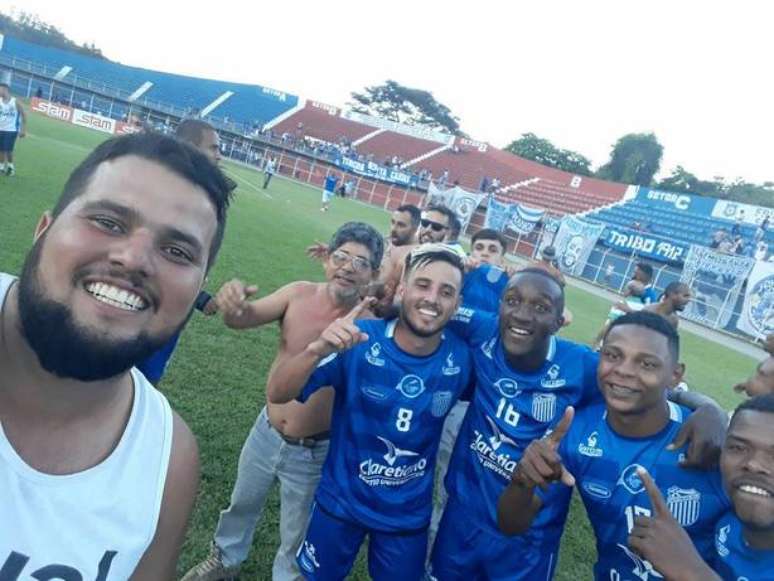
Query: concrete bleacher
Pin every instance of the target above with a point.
(387, 144)
(249, 103)
(320, 124)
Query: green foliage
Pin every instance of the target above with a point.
(530, 146)
(216, 378)
(405, 105)
(635, 159)
(31, 28)
(738, 190)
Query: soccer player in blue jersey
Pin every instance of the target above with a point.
(525, 378)
(744, 538)
(484, 284)
(394, 382)
(605, 448)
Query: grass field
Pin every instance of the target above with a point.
(216, 379)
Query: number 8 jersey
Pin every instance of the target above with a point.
(386, 426)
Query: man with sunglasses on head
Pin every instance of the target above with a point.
(289, 441)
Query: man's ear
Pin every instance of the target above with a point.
(43, 224)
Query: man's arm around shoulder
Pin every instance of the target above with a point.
(159, 562)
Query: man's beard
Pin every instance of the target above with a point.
(422, 333)
(63, 347)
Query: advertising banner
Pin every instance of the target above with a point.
(374, 170)
(677, 202)
(630, 241)
(747, 213)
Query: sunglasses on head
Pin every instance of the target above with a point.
(436, 226)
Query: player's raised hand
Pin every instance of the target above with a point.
(661, 540)
(318, 250)
(343, 333)
(232, 297)
(541, 464)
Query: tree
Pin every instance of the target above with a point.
(738, 190)
(635, 159)
(530, 146)
(31, 28)
(405, 105)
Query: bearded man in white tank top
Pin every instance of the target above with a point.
(13, 124)
(97, 474)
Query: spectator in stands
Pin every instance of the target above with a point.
(726, 246)
(761, 250)
(39, 93)
(717, 237)
(452, 238)
(443, 179)
(760, 231)
(736, 229)
(484, 187)
(495, 185)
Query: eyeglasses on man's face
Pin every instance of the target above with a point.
(340, 258)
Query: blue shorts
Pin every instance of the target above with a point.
(465, 551)
(331, 546)
(7, 140)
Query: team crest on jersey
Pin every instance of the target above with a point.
(411, 386)
(684, 504)
(721, 539)
(507, 387)
(450, 368)
(630, 480)
(590, 447)
(552, 380)
(307, 557)
(543, 406)
(488, 347)
(372, 355)
(441, 402)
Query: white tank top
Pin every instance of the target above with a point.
(92, 525)
(9, 118)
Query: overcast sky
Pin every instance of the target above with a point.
(581, 73)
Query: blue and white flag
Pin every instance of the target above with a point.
(524, 219)
(716, 280)
(439, 196)
(464, 204)
(498, 214)
(574, 242)
(757, 318)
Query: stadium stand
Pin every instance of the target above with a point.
(388, 144)
(249, 104)
(322, 122)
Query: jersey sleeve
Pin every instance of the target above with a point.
(329, 372)
(472, 325)
(590, 393)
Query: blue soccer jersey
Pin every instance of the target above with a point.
(605, 466)
(509, 409)
(386, 426)
(734, 559)
(483, 287)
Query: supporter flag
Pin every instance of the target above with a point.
(757, 318)
(498, 214)
(464, 204)
(439, 196)
(716, 280)
(574, 242)
(524, 219)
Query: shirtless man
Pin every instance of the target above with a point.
(288, 442)
(676, 297)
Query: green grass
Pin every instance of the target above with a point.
(216, 379)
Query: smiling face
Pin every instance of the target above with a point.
(116, 273)
(430, 295)
(433, 227)
(348, 270)
(636, 367)
(747, 465)
(530, 312)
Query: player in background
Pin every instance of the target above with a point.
(673, 301)
(329, 190)
(395, 381)
(744, 537)
(13, 124)
(761, 382)
(289, 441)
(603, 448)
(269, 169)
